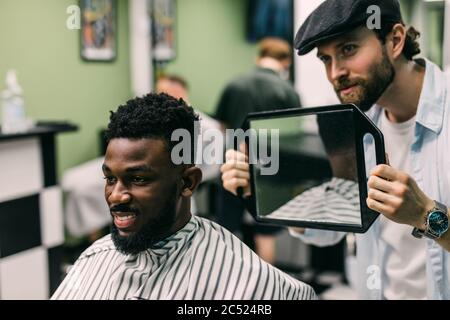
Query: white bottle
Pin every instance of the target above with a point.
(13, 108)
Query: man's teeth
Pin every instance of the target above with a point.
(131, 216)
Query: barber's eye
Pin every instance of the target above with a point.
(348, 49)
(110, 180)
(324, 59)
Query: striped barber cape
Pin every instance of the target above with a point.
(200, 261)
(335, 201)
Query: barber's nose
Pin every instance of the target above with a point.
(119, 194)
(337, 71)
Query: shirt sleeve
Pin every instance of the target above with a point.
(295, 101)
(233, 106)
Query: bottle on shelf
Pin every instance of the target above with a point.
(13, 107)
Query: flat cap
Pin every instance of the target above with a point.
(336, 17)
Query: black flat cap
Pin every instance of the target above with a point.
(336, 17)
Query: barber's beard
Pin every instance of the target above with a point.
(369, 91)
(151, 232)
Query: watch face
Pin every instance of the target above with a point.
(438, 222)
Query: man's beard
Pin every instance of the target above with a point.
(150, 233)
(381, 76)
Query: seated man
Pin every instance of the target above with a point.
(86, 213)
(157, 249)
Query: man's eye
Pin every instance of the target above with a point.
(348, 49)
(139, 179)
(109, 180)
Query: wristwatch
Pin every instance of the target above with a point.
(436, 223)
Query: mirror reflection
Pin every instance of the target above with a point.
(317, 180)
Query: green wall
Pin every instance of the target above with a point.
(57, 84)
(211, 47)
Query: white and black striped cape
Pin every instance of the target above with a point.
(201, 261)
(335, 201)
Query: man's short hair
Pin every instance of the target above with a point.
(152, 116)
(275, 48)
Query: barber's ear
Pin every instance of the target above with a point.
(192, 176)
(397, 36)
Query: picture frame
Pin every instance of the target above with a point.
(98, 30)
(163, 14)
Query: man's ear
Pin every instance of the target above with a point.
(397, 38)
(192, 176)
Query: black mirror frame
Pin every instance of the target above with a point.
(363, 125)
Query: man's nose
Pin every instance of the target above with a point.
(119, 194)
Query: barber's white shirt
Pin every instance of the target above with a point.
(430, 168)
(405, 261)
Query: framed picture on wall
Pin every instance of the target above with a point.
(163, 30)
(98, 30)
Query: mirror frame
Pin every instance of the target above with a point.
(362, 125)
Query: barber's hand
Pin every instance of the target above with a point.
(396, 195)
(236, 172)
